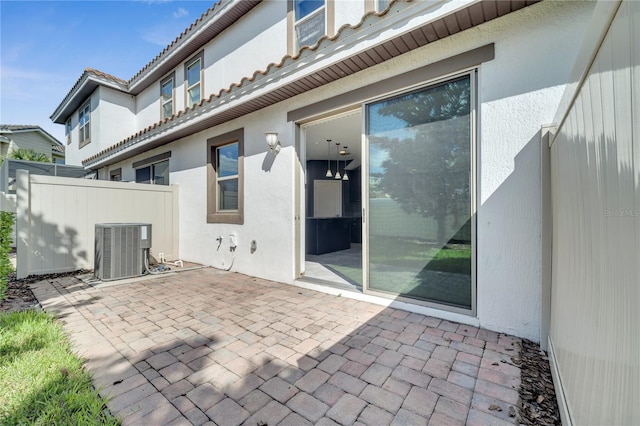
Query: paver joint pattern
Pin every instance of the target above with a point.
(213, 347)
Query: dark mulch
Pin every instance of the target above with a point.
(19, 296)
(538, 404)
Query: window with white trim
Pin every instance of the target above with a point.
(166, 97)
(67, 130)
(193, 80)
(382, 5)
(309, 21)
(84, 124)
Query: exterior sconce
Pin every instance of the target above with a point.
(273, 142)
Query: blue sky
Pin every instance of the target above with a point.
(46, 45)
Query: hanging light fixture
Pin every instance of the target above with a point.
(338, 161)
(344, 153)
(329, 174)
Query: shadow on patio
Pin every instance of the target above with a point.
(207, 345)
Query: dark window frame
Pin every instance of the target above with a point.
(115, 173)
(214, 215)
(150, 163)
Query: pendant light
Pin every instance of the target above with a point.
(329, 174)
(344, 171)
(338, 177)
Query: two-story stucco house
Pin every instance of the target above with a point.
(406, 163)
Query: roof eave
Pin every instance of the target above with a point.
(82, 90)
(222, 15)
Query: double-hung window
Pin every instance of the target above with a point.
(84, 124)
(193, 79)
(166, 97)
(153, 170)
(67, 130)
(225, 178)
(309, 21)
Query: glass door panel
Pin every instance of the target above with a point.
(420, 203)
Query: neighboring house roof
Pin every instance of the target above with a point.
(203, 115)
(6, 129)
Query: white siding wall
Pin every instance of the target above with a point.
(595, 317)
(516, 95)
(56, 219)
(30, 140)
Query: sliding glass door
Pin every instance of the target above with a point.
(420, 229)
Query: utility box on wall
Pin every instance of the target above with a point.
(119, 250)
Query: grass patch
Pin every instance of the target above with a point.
(6, 226)
(412, 253)
(43, 383)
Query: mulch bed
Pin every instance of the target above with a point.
(537, 404)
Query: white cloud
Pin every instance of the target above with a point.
(159, 34)
(180, 13)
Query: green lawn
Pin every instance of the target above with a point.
(41, 381)
(422, 269)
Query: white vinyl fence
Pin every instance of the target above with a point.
(595, 294)
(56, 217)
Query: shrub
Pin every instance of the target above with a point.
(6, 228)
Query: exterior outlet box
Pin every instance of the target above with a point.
(119, 250)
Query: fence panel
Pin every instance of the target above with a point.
(56, 219)
(595, 299)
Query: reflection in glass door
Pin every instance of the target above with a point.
(420, 194)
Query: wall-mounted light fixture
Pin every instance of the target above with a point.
(273, 142)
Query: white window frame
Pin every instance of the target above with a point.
(221, 179)
(164, 102)
(84, 129)
(197, 58)
(67, 130)
(297, 22)
(381, 5)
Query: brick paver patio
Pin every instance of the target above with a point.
(213, 347)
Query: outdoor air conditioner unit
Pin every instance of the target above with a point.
(119, 250)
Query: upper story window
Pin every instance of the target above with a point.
(166, 97)
(382, 5)
(84, 124)
(193, 79)
(67, 130)
(309, 21)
